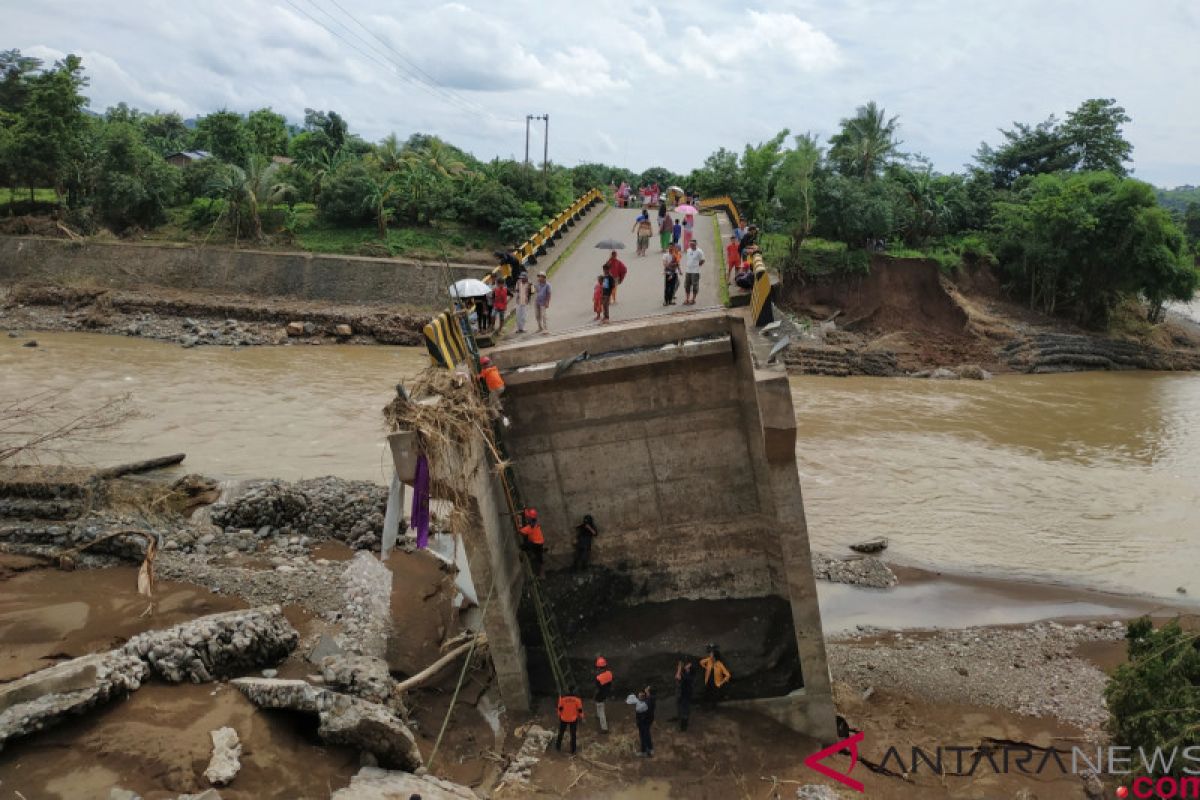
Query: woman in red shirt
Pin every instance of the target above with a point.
(733, 259)
(500, 304)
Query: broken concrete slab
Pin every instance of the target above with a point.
(217, 646)
(226, 755)
(44, 698)
(344, 719)
(365, 677)
(199, 650)
(372, 783)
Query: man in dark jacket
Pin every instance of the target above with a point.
(584, 534)
(685, 680)
(644, 716)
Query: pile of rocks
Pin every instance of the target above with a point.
(855, 570)
(324, 508)
(198, 651)
(366, 677)
(1062, 352)
(1032, 671)
(367, 614)
(344, 719)
(216, 646)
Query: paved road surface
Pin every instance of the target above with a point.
(641, 294)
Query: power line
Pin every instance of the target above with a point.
(430, 79)
(373, 55)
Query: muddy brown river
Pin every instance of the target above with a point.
(1086, 479)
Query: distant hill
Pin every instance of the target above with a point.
(1177, 199)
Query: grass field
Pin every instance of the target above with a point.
(444, 240)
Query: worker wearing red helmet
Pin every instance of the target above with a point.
(534, 543)
(604, 683)
(489, 375)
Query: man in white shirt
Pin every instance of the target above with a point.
(693, 260)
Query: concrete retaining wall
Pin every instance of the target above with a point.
(304, 276)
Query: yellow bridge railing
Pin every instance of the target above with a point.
(761, 311)
(445, 338)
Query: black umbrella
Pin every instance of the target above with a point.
(610, 244)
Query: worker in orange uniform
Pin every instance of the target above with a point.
(535, 543)
(604, 685)
(570, 711)
(489, 375)
(716, 675)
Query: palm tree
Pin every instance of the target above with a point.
(253, 188)
(389, 153)
(380, 190)
(324, 163)
(263, 190)
(865, 142)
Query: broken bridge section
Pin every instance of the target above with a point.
(683, 451)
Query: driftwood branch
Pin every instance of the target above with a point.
(146, 465)
(425, 675)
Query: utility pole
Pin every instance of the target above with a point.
(546, 139)
(528, 117)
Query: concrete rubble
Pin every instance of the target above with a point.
(367, 613)
(225, 761)
(200, 650)
(344, 719)
(855, 570)
(364, 677)
(321, 508)
(217, 646)
(372, 783)
(536, 740)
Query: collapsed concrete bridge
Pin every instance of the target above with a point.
(680, 444)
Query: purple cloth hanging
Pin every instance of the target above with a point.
(420, 504)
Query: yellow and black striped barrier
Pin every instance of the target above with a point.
(761, 312)
(724, 203)
(445, 341)
(444, 337)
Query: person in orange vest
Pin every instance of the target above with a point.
(570, 711)
(489, 376)
(535, 543)
(604, 685)
(716, 675)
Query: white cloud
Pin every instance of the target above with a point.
(664, 82)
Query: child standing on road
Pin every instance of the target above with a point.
(597, 297)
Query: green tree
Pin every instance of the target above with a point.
(719, 175)
(1027, 150)
(223, 133)
(165, 133)
(865, 143)
(380, 188)
(340, 200)
(795, 190)
(249, 192)
(1154, 699)
(1094, 131)
(50, 128)
(757, 172)
(16, 71)
(135, 185)
(1191, 223)
(267, 132)
(1081, 243)
(856, 211)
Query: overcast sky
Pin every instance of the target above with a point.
(643, 84)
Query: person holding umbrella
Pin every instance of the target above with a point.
(615, 267)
